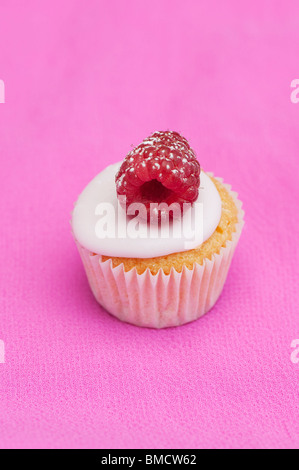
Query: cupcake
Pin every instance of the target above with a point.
(156, 234)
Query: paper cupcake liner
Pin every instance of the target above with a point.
(161, 300)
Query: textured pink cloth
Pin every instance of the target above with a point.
(83, 82)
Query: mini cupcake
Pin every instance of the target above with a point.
(156, 234)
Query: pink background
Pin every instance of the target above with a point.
(84, 81)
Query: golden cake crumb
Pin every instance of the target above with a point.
(226, 226)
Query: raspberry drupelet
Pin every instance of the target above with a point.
(162, 169)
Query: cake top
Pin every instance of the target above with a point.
(154, 203)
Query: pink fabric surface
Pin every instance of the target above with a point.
(83, 82)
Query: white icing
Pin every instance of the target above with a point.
(102, 190)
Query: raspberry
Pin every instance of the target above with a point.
(162, 169)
